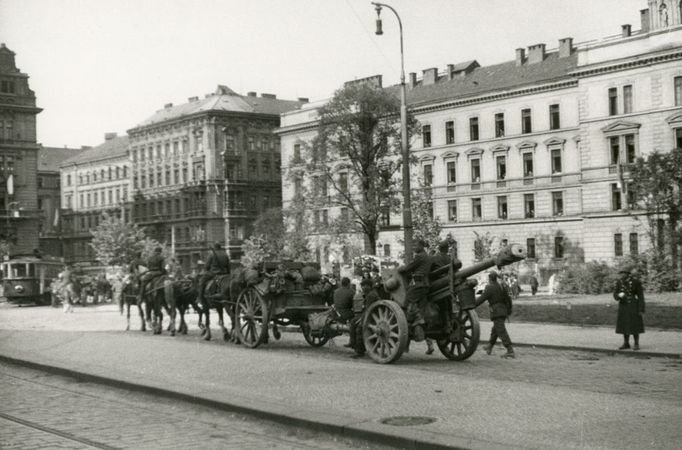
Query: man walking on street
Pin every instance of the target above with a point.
(500, 308)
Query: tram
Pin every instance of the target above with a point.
(27, 279)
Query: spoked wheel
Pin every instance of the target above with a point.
(464, 337)
(384, 331)
(251, 317)
(315, 341)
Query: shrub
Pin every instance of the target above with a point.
(587, 278)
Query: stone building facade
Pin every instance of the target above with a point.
(536, 150)
(202, 171)
(92, 182)
(49, 197)
(19, 213)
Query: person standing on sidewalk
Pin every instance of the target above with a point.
(630, 297)
(534, 284)
(500, 308)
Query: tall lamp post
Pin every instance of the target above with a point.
(407, 201)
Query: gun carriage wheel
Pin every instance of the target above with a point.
(384, 331)
(251, 317)
(464, 336)
(314, 341)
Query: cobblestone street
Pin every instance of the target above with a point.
(41, 411)
(550, 398)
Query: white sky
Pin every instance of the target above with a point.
(105, 65)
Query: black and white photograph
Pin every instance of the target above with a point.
(341, 224)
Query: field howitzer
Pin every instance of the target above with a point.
(448, 310)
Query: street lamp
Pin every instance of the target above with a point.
(407, 202)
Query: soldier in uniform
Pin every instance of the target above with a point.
(630, 297)
(499, 301)
(343, 305)
(369, 296)
(156, 268)
(442, 258)
(218, 263)
(417, 271)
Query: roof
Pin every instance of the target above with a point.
(113, 148)
(224, 99)
(498, 77)
(50, 158)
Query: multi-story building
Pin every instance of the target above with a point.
(93, 182)
(203, 170)
(49, 196)
(19, 214)
(536, 150)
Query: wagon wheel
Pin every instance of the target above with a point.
(315, 341)
(251, 317)
(464, 337)
(384, 331)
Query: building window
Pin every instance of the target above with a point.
(7, 86)
(387, 250)
(452, 210)
(627, 99)
(678, 91)
(426, 135)
(616, 203)
(630, 152)
(678, 138)
(526, 121)
(613, 101)
(344, 214)
(452, 172)
(634, 244)
(385, 217)
(343, 182)
(428, 174)
(476, 211)
(556, 161)
(558, 203)
(559, 247)
(473, 129)
(529, 205)
(614, 147)
(168, 177)
(618, 244)
(324, 191)
(528, 165)
(476, 170)
(450, 132)
(325, 217)
(554, 117)
(298, 187)
(297, 152)
(502, 207)
(499, 125)
(530, 248)
(68, 180)
(501, 167)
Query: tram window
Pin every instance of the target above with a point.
(18, 270)
(31, 270)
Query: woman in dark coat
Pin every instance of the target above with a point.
(630, 296)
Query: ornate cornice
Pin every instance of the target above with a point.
(599, 69)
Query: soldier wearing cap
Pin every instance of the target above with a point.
(417, 272)
(157, 268)
(629, 294)
(218, 264)
(500, 308)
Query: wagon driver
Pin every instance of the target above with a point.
(417, 272)
(218, 264)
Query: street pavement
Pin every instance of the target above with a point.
(546, 398)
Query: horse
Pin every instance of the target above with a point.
(158, 296)
(184, 293)
(130, 296)
(219, 294)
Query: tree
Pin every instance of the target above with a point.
(116, 242)
(356, 156)
(272, 240)
(426, 226)
(657, 185)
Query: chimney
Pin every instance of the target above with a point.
(303, 99)
(251, 94)
(646, 25)
(109, 136)
(627, 30)
(451, 71)
(520, 56)
(413, 79)
(536, 53)
(193, 99)
(565, 47)
(271, 96)
(168, 105)
(430, 76)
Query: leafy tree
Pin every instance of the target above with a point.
(116, 242)
(148, 245)
(657, 186)
(358, 135)
(426, 226)
(272, 240)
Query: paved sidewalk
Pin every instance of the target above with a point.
(600, 339)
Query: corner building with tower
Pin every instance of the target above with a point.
(537, 150)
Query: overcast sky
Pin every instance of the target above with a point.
(105, 65)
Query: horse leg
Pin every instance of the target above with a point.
(207, 312)
(183, 324)
(148, 305)
(169, 303)
(221, 322)
(127, 304)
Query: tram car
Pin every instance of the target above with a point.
(27, 279)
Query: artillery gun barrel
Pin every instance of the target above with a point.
(507, 255)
